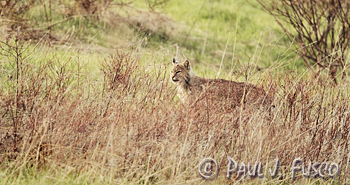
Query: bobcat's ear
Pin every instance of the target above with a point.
(187, 64)
(175, 61)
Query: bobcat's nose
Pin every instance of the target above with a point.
(174, 79)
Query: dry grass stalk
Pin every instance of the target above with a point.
(134, 131)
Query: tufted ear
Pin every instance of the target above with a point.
(175, 61)
(187, 64)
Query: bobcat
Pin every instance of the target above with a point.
(229, 94)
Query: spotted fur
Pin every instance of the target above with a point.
(192, 88)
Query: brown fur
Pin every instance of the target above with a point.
(192, 88)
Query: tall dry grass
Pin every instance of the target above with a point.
(130, 128)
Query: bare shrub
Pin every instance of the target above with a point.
(15, 22)
(14, 11)
(29, 95)
(118, 69)
(13, 18)
(134, 130)
(320, 28)
(94, 8)
(153, 4)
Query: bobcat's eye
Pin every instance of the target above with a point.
(178, 72)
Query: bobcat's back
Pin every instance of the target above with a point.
(192, 88)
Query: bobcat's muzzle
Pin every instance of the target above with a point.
(174, 79)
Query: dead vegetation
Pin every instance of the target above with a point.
(128, 127)
(320, 30)
(119, 17)
(131, 129)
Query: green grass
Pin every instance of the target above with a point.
(251, 34)
(209, 33)
(139, 132)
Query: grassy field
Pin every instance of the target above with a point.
(86, 98)
(230, 32)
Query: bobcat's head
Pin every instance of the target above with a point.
(181, 73)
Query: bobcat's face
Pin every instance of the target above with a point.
(180, 72)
